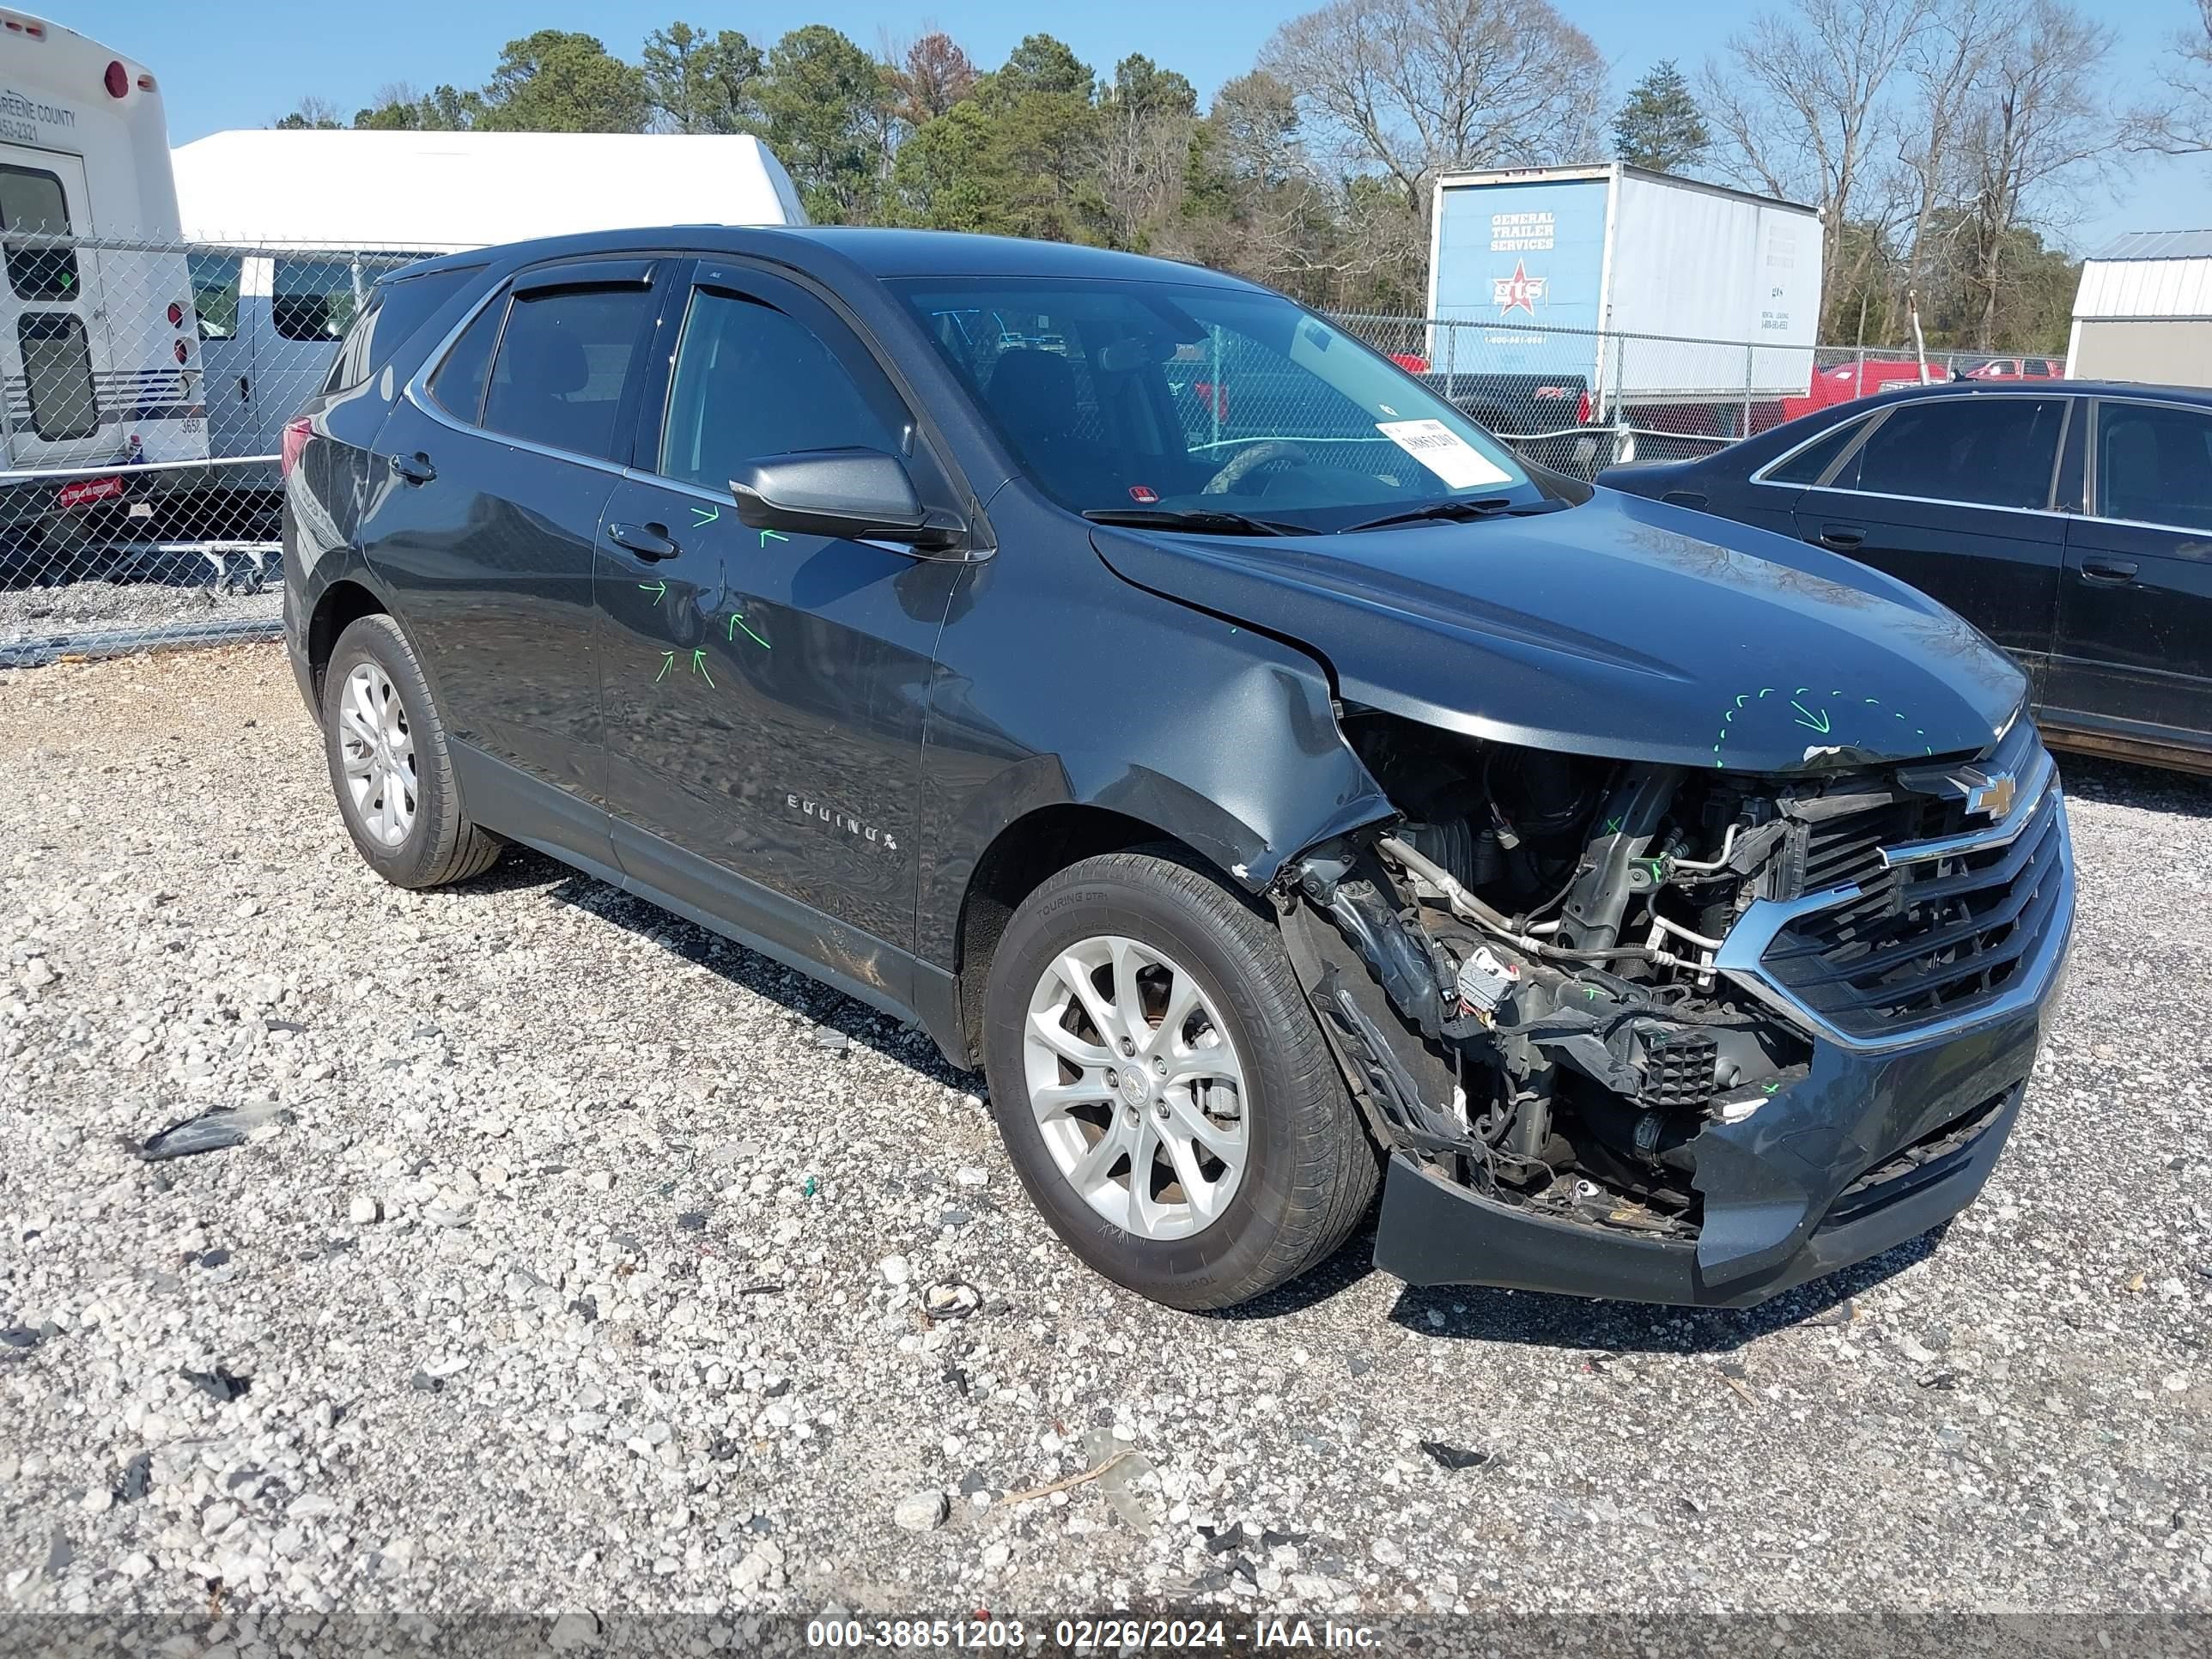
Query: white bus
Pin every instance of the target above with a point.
(99, 366)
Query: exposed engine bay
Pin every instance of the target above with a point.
(1520, 971)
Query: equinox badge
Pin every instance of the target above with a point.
(845, 821)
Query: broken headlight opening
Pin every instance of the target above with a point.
(1525, 977)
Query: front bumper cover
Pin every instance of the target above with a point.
(1811, 1183)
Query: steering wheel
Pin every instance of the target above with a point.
(1244, 461)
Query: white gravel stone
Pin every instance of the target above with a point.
(921, 1511)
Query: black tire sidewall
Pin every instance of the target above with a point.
(1207, 1268)
(377, 639)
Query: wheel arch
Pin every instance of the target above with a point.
(1022, 857)
(345, 601)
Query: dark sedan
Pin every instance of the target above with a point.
(2071, 522)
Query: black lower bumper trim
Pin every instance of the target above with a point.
(1432, 1233)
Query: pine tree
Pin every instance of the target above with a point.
(1659, 125)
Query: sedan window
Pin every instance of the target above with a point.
(1985, 451)
(2155, 464)
(1806, 465)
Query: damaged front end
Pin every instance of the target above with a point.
(1645, 1032)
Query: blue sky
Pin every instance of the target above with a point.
(239, 65)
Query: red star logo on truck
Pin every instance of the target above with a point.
(1519, 292)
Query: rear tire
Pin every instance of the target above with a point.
(1248, 1183)
(391, 766)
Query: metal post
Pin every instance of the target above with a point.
(1750, 353)
(1213, 392)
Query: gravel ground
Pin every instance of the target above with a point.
(576, 1259)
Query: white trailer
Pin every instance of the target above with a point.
(100, 364)
(1666, 305)
(297, 224)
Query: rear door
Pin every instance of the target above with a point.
(2135, 634)
(765, 693)
(495, 464)
(53, 350)
(1954, 495)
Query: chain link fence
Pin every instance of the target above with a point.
(147, 386)
(144, 387)
(1579, 400)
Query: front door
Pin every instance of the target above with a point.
(495, 466)
(765, 694)
(2134, 630)
(53, 350)
(1954, 495)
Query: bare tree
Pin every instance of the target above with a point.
(1944, 68)
(1416, 87)
(2039, 128)
(2182, 124)
(929, 74)
(1147, 119)
(1805, 108)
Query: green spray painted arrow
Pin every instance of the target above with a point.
(767, 536)
(699, 663)
(667, 662)
(738, 622)
(659, 590)
(705, 515)
(1811, 722)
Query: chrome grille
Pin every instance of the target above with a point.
(1924, 939)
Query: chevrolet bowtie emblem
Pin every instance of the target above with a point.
(1993, 797)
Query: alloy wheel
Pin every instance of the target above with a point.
(1138, 1090)
(378, 752)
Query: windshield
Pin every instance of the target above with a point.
(1156, 398)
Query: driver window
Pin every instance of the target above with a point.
(751, 380)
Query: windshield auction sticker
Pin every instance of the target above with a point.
(1445, 452)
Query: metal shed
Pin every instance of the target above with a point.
(2144, 310)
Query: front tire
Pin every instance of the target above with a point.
(1162, 1088)
(391, 766)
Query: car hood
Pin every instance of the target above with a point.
(1621, 628)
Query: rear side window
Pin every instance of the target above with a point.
(1806, 465)
(2155, 464)
(1985, 451)
(751, 382)
(558, 379)
(58, 370)
(397, 308)
(33, 202)
(214, 295)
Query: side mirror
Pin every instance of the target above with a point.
(864, 494)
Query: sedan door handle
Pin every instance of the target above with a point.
(648, 541)
(2109, 572)
(416, 468)
(1842, 536)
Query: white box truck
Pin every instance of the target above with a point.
(1588, 312)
